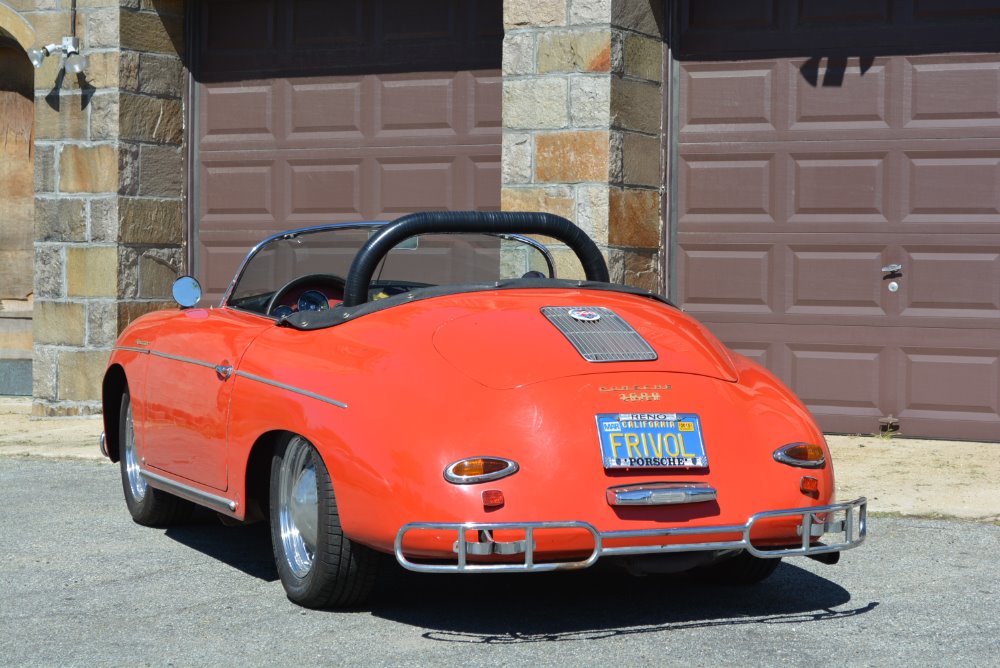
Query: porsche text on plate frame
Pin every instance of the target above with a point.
(429, 388)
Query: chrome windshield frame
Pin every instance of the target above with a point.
(373, 224)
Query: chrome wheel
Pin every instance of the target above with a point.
(298, 507)
(135, 480)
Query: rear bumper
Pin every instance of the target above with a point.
(845, 523)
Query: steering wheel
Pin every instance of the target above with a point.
(333, 282)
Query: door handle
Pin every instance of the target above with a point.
(892, 269)
(223, 371)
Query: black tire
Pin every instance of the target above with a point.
(740, 570)
(148, 506)
(318, 565)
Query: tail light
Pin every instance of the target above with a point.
(803, 455)
(479, 469)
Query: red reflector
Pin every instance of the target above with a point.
(493, 498)
(809, 486)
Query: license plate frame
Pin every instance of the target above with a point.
(651, 441)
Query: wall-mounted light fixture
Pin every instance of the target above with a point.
(73, 60)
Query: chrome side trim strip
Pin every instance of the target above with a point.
(144, 351)
(189, 493)
(854, 533)
(178, 358)
(291, 388)
(660, 494)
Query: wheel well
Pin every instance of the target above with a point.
(258, 474)
(115, 385)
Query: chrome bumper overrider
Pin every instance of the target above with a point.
(847, 519)
(104, 445)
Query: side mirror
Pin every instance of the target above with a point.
(187, 291)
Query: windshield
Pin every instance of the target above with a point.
(306, 269)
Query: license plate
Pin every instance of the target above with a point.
(651, 440)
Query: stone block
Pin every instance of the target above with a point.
(81, 374)
(60, 219)
(90, 169)
(104, 219)
(588, 12)
(641, 160)
(592, 211)
(150, 221)
(616, 168)
(516, 154)
(536, 103)
(161, 171)
(128, 168)
(640, 16)
(104, 116)
(45, 168)
(531, 13)
(84, 4)
(636, 105)
(69, 121)
(150, 119)
(518, 53)
(102, 323)
(160, 75)
(101, 28)
(44, 372)
(59, 323)
(634, 218)
(51, 26)
(640, 269)
(128, 272)
(575, 51)
(129, 311)
(590, 101)
(49, 268)
(128, 71)
(557, 200)
(643, 57)
(92, 271)
(151, 32)
(16, 341)
(51, 409)
(571, 157)
(158, 269)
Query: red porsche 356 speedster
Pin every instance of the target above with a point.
(428, 388)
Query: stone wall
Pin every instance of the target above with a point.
(108, 187)
(582, 110)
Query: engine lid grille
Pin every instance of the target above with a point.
(599, 334)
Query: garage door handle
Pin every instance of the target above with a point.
(892, 268)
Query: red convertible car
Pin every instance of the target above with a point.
(427, 388)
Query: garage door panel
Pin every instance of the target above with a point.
(945, 91)
(730, 97)
(952, 186)
(839, 187)
(838, 379)
(237, 114)
(240, 188)
(729, 188)
(858, 104)
(835, 280)
(951, 381)
(730, 278)
(948, 282)
(485, 104)
(322, 189)
(421, 105)
(330, 112)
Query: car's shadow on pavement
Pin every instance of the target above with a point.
(598, 603)
(244, 547)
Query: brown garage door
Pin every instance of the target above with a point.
(817, 143)
(311, 112)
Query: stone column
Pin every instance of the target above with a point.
(582, 109)
(108, 187)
